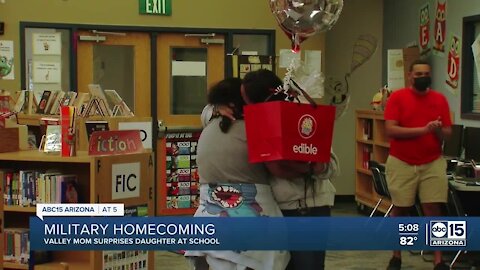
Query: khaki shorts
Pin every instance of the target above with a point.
(405, 181)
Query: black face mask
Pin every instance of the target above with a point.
(422, 83)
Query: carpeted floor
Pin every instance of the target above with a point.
(335, 260)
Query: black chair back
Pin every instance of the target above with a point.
(454, 205)
(453, 145)
(379, 178)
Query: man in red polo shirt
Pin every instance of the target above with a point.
(417, 119)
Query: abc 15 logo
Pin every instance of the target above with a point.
(448, 229)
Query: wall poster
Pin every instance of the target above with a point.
(424, 29)
(6, 60)
(453, 62)
(440, 27)
(181, 170)
(242, 64)
(47, 43)
(46, 72)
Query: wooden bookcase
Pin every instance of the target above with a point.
(33, 122)
(95, 183)
(371, 143)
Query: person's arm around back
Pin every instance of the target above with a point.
(330, 170)
(297, 169)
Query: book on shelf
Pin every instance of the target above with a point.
(16, 245)
(67, 122)
(95, 107)
(20, 101)
(95, 125)
(366, 156)
(67, 189)
(17, 248)
(55, 108)
(46, 121)
(118, 105)
(7, 178)
(98, 93)
(42, 104)
(51, 101)
(20, 188)
(30, 104)
(25, 188)
(81, 101)
(47, 187)
(53, 139)
(69, 98)
(367, 129)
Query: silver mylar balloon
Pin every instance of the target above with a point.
(304, 18)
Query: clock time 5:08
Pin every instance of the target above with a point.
(408, 227)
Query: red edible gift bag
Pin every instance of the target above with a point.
(281, 130)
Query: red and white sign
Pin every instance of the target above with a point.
(424, 29)
(440, 26)
(453, 65)
(115, 142)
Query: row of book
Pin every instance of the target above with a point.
(48, 102)
(17, 245)
(367, 129)
(107, 102)
(366, 156)
(27, 188)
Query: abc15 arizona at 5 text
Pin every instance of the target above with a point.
(444, 233)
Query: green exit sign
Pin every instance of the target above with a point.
(155, 7)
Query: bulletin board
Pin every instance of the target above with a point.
(180, 180)
(242, 64)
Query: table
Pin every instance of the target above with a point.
(468, 197)
(464, 187)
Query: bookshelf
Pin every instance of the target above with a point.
(34, 123)
(371, 144)
(96, 175)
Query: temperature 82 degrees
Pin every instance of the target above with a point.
(407, 240)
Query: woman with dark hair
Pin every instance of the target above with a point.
(226, 93)
(230, 186)
(295, 194)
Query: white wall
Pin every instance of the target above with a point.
(358, 17)
(401, 22)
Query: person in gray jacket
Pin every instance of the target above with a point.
(311, 196)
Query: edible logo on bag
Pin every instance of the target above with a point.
(307, 126)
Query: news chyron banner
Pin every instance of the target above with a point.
(103, 227)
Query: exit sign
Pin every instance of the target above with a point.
(155, 7)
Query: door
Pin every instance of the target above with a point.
(118, 61)
(186, 67)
